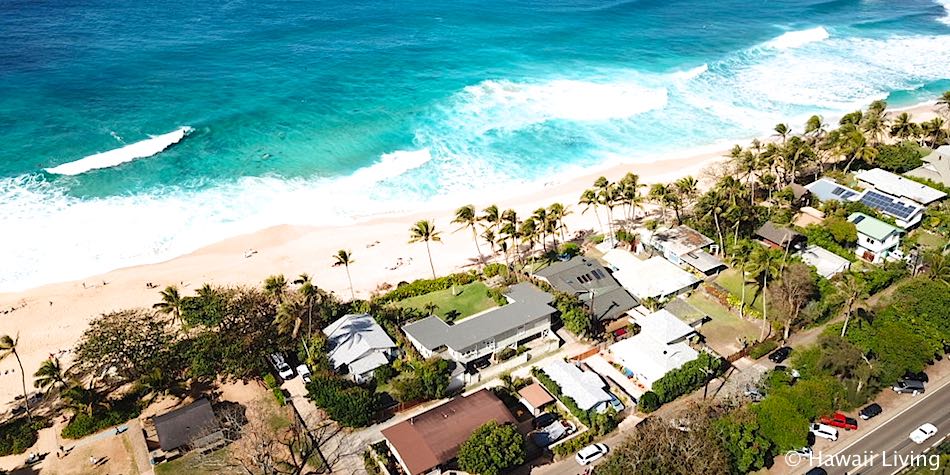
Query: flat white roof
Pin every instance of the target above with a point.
(662, 326)
(654, 277)
(827, 263)
(651, 358)
(899, 186)
(584, 387)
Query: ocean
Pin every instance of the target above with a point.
(313, 112)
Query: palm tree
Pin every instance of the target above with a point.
(289, 316)
(903, 127)
(83, 400)
(542, 224)
(170, 304)
(466, 218)
(310, 293)
(344, 258)
(430, 308)
(853, 290)
(856, 146)
(782, 130)
(529, 232)
(50, 376)
(688, 188)
(938, 267)
(276, 287)
(740, 261)
(424, 231)
(492, 217)
(766, 264)
(606, 196)
(943, 103)
(589, 200)
(7, 348)
(558, 212)
(489, 236)
(659, 194)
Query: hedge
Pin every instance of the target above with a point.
(570, 446)
(688, 377)
(425, 286)
(18, 435)
(649, 402)
(83, 424)
(343, 401)
(762, 348)
(555, 391)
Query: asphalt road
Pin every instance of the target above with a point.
(887, 448)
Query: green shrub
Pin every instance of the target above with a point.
(493, 269)
(688, 377)
(343, 401)
(505, 354)
(762, 348)
(18, 435)
(271, 383)
(369, 463)
(384, 374)
(649, 402)
(569, 249)
(497, 295)
(117, 412)
(425, 286)
(899, 158)
(570, 446)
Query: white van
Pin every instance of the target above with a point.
(824, 431)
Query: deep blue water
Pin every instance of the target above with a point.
(310, 112)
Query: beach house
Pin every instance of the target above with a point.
(584, 387)
(429, 442)
(877, 240)
(898, 186)
(684, 246)
(936, 166)
(358, 345)
(827, 263)
(653, 278)
(660, 347)
(591, 283)
(527, 316)
(902, 199)
(780, 237)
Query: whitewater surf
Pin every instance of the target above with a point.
(143, 149)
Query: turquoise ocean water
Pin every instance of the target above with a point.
(322, 112)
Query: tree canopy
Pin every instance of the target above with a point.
(491, 449)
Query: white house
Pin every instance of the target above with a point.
(685, 246)
(655, 277)
(584, 387)
(660, 347)
(827, 263)
(359, 344)
(896, 185)
(877, 240)
(525, 317)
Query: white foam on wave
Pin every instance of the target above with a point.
(390, 165)
(691, 73)
(797, 39)
(142, 149)
(514, 105)
(946, 6)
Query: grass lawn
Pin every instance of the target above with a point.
(188, 463)
(472, 299)
(930, 240)
(726, 328)
(731, 280)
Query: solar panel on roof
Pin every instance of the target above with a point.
(858, 219)
(888, 205)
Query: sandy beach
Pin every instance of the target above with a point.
(51, 318)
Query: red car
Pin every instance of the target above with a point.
(840, 420)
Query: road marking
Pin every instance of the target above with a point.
(895, 416)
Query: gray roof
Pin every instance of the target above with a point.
(778, 234)
(936, 166)
(581, 275)
(526, 292)
(702, 261)
(183, 425)
(353, 337)
(680, 240)
(432, 332)
(826, 189)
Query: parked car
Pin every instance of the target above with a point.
(921, 376)
(552, 433)
(805, 452)
(817, 471)
(304, 373)
(780, 354)
(590, 453)
(615, 403)
(911, 386)
(870, 411)
(840, 420)
(824, 431)
(544, 420)
(283, 369)
(922, 433)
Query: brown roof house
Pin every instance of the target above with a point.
(431, 440)
(780, 237)
(189, 427)
(535, 397)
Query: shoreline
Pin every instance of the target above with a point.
(51, 318)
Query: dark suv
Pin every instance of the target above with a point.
(870, 411)
(780, 354)
(909, 386)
